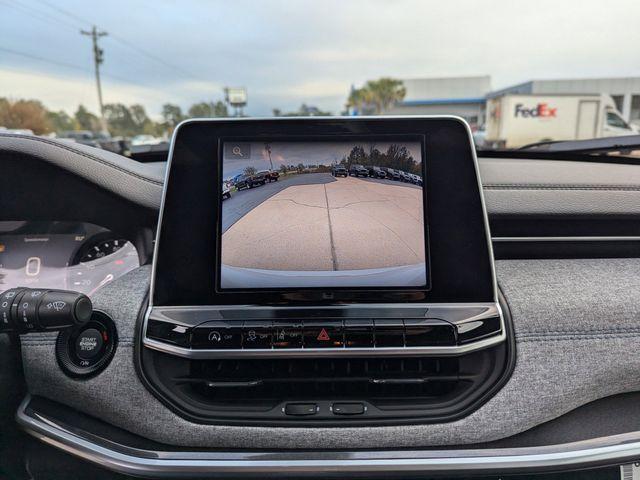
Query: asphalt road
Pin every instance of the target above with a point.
(244, 201)
(314, 222)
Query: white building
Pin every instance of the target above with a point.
(462, 96)
(625, 91)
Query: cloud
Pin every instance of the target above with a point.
(67, 92)
(288, 52)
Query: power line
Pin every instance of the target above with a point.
(64, 12)
(77, 67)
(55, 21)
(38, 15)
(43, 59)
(153, 57)
(121, 40)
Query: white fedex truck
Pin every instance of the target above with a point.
(515, 120)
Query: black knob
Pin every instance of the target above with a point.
(25, 310)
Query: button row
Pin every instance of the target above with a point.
(351, 333)
(306, 409)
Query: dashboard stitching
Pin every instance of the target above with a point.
(566, 338)
(613, 188)
(591, 330)
(86, 155)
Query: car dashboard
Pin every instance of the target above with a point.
(515, 353)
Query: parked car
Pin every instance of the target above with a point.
(226, 192)
(84, 137)
(358, 171)
(145, 140)
(102, 140)
(480, 137)
(339, 171)
(269, 175)
(404, 176)
(376, 172)
(260, 178)
(16, 131)
(249, 181)
(416, 179)
(391, 173)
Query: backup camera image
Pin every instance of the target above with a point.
(322, 214)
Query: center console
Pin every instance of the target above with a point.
(324, 272)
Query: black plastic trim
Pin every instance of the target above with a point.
(160, 391)
(461, 264)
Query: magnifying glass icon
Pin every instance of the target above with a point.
(237, 151)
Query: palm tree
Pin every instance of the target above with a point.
(360, 99)
(385, 92)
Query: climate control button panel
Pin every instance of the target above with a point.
(204, 333)
(347, 334)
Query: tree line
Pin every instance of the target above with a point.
(375, 97)
(122, 120)
(396, 156)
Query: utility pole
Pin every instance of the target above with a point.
(267, 147)
(98, 58)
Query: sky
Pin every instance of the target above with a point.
(286, 52)
(239, 155)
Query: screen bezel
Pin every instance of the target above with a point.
(460, 259)
(319, 139)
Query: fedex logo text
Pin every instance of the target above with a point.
(539, 111)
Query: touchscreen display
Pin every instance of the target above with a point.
(322, 214)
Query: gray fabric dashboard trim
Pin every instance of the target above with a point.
(577, 324)
(541, 187)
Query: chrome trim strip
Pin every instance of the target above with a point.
(200, 354)
(490, 310)
(568, 239)
(612, 450)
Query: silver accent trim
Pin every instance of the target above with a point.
(612, 450)
(485, 214)
(422, 350)
(568, 239)
(200, 354)
(489, 310)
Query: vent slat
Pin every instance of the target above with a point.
(269, 381)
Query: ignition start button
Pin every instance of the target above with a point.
(86, 350)
(89, 344)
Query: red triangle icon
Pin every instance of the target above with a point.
(323, 336)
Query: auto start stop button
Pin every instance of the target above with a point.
(89, 344)
(86, 350)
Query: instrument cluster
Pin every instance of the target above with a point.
(62, 255)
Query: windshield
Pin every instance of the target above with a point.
(121, 75)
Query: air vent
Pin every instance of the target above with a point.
(394, 390)
(268, 383)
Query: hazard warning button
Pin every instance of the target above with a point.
(327, 334)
